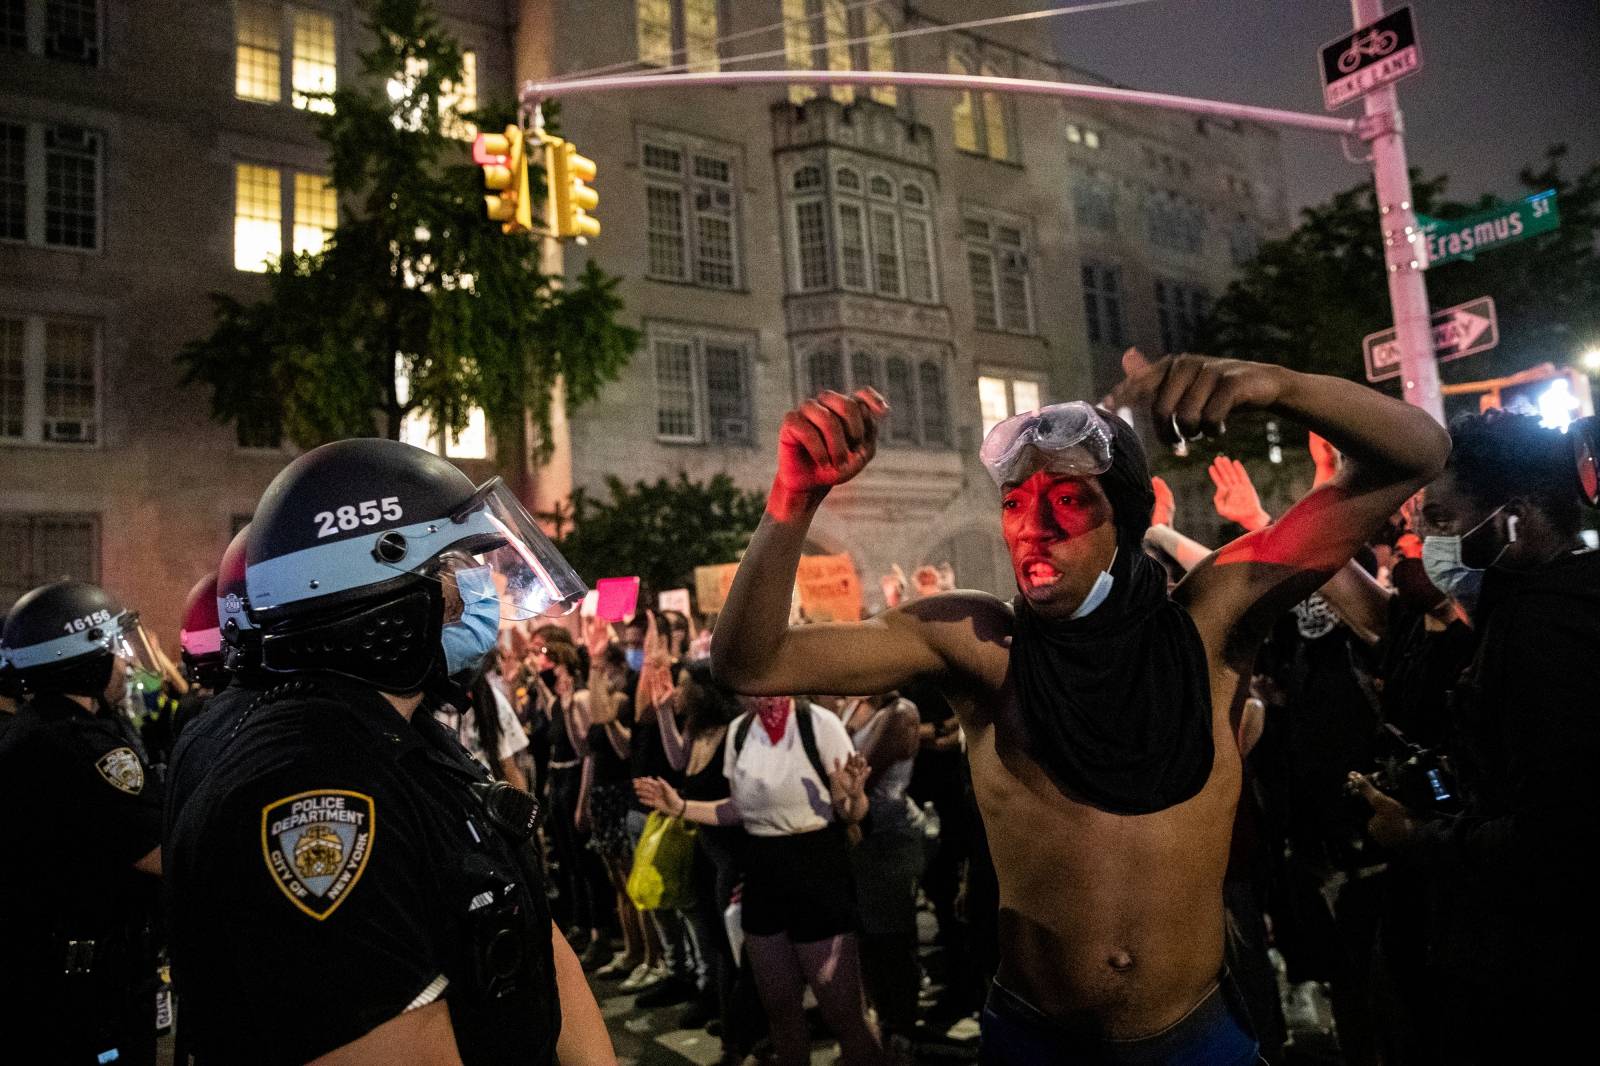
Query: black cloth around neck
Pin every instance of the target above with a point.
(1117, 705)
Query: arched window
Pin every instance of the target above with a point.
(848, 180)
(881, 187)
(807, 178)
(913, 195)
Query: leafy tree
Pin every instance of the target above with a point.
(417, 303)
(658, 531)
(1307, 299)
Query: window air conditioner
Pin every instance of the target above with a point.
(69, 430)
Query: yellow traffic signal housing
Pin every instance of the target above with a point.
(571, 198)
(505, 173)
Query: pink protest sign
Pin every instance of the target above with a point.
(619, 596)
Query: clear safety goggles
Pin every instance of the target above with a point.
(494, 532)
(1064, 438)
(133, 644)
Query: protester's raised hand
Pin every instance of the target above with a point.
(1193, 395)
(597, 637)
(1236, 499)
(1166, 506)
(826, 441)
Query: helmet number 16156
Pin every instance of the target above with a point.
(355, 515)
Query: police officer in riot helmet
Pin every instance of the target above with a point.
(81, 839)
(233, 673)
(200, 645)
(345, 878)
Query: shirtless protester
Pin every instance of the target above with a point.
(1096, 708)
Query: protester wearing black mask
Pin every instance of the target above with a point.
(1501, 537)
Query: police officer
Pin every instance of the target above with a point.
(345, 878)
(80, 838)
(200, 645)
(234, 671)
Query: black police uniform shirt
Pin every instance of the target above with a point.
(335, 869)
(200, 739)
(81, 808)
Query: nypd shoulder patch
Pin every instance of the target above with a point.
(122, 770)
(316, 845)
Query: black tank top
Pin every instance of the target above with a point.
(709, 782)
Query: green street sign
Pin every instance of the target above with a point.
(1450, 239)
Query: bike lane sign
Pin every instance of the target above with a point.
(1376, 54)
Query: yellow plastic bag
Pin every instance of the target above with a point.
(662, 865)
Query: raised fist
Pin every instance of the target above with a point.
(826, 441)
(1193, 395)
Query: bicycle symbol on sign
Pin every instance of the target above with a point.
(1375, 43)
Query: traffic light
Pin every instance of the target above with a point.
(1558, 395)
(571, 198)
(505, 173)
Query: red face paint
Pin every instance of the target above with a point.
(1060, 536)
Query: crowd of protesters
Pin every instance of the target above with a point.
(1408, 876)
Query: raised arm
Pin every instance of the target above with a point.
(1390, 448)
(823, 443)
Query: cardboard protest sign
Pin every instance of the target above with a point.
(711, 584)
(674, 600)
(830, 590)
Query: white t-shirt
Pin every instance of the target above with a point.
(512, 737)
(775, 787)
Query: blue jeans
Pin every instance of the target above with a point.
(1214, 1033)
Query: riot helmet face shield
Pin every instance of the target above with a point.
(496, 545)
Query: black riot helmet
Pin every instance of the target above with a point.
(200, 637)
(356, 545)
(68, 636)
(241, 641)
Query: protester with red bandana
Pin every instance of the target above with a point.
(796, 785)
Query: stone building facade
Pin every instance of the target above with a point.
(968, 254)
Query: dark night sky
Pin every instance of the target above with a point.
(1501, 79)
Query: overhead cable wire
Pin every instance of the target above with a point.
(779, 26)
(916, 31)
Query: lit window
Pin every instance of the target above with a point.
(71, 187)
(700, 34)
(797, 46)
(1091, 139)
(1074, 133)
(880, 53)
(473, 441)
(1025, 395)
(994, 120)
(49, 380)
(316, 212)
(653, 28)
(1000, 398)
(315, 61)
(460, 99)
(257, 216)
(836, 30)
(258, 60)
(963, 121)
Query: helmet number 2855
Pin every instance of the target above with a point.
(354, 515)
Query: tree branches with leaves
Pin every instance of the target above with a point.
(658, 531)
(416, 304)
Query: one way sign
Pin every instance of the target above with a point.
(1457, 331)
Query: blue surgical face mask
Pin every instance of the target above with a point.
(635, 658)
(1441, 560)
(469, 640)
(1097, 592)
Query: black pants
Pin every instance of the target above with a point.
(581, 879)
